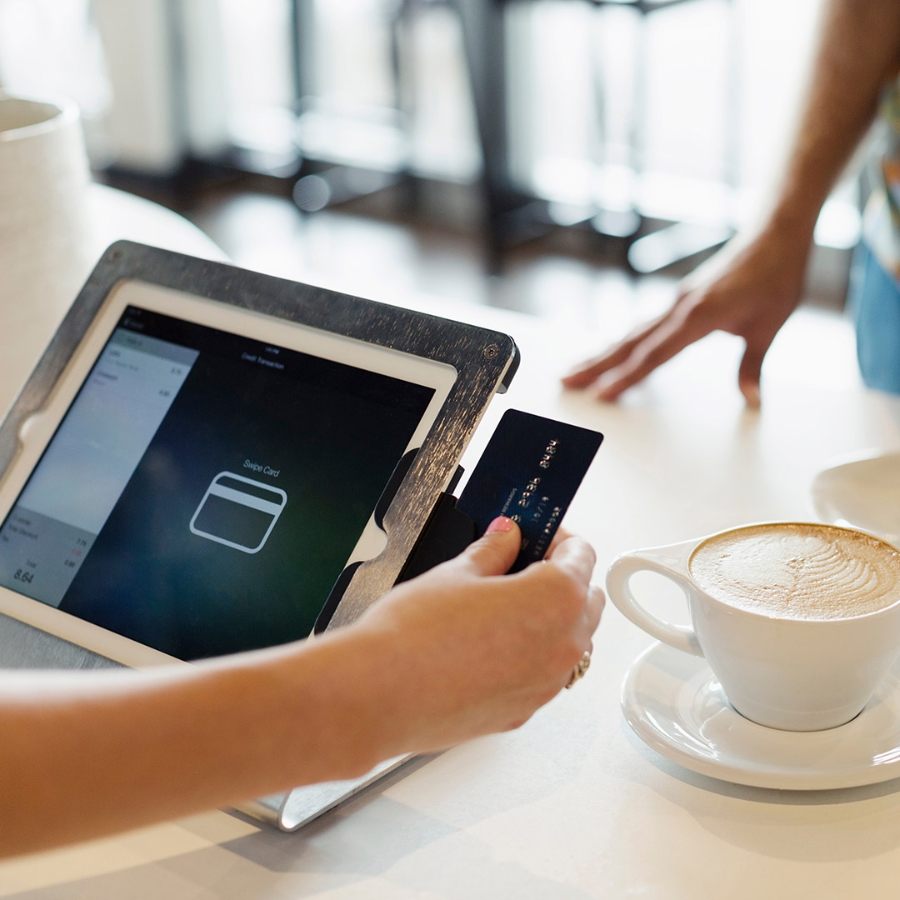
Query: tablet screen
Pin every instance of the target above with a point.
(205, 490)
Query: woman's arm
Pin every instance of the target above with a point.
(753, 284)
(461, 651)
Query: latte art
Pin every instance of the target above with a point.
(799, 571)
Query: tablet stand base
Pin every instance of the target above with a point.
(294, 809)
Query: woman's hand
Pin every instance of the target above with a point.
(467, 650)
(460, 651)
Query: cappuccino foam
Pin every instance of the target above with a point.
(798, 571)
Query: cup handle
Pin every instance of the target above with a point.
(618, 587)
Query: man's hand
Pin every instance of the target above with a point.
(749, 289)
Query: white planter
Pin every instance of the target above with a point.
(45, 238)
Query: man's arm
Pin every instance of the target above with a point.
(456, 653)
(754, 283)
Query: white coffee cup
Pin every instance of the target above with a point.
(46, 247)
(796, 674)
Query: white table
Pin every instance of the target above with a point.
(573, 806)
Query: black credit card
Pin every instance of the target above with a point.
(529, 471)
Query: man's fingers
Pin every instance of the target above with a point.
(590, 370)
(658, 348)
(749, 374)
(587, 372)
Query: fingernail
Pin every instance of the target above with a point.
(501, 524)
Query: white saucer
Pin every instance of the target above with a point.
(674, 704)
(863, 492)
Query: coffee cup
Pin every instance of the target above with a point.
(798, 621)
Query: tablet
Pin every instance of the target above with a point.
(206, 459)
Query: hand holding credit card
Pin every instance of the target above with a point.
(529, 471)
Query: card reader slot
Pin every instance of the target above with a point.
(447, 533)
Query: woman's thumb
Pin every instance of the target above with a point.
(497, 550)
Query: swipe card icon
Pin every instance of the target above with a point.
(238, 512)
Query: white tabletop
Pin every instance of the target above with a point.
(572, 805)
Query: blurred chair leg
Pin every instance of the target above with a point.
(323, 182)
(612, 217)
(684, 239)
(303, 46)
(510, 212)
(485, 46)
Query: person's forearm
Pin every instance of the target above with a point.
(756, 281)
(107, 752)
(857, 53)
(456, 653)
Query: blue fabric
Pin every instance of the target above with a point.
(875, 299)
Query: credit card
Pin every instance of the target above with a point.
(530, 471)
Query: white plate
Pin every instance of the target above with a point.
(674, 704)
(864, 493)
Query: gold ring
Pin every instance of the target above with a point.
(578, 672)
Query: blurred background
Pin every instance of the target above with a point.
(566, 158)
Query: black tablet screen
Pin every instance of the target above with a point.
(204, 490)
